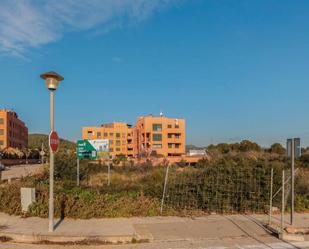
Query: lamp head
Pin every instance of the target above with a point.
(52, 80)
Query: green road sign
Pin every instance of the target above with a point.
(92, 149)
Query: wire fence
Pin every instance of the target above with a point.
(220, 190)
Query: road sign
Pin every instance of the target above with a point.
(53, 141)
(92, 149)
(297, 147)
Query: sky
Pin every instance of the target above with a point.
(233, 69)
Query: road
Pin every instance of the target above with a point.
(239, 243)
(16, 172)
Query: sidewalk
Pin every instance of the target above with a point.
(126, 230)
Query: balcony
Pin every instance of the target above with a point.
(148, 140)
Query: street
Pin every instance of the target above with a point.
(17, 172)
(239, 243)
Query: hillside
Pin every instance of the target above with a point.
(35, 142)
(193, 147)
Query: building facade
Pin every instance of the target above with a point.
(13, 131)
(162, 135)
(119, 134)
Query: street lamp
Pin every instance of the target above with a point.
(52, 80)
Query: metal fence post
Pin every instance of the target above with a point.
(292, 180)
(108, 174)
(271, 196)
(164, 188)
(282, 204)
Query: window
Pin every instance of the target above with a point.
(176, 126)
(117, 135)
(99, 134)
(157, 146)
(169, 135)
(157, 127)
(1, 121)
(1, 142)
(111, 142)
(117, 149)
(105, 134)
(111, 149)
(177, 146)
(170, 146)
(157, 137)
(117, 142)
(169, 126)
(177, 135)
(1, 131)
(111, 134)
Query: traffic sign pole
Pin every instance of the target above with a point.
(293, 152)
(77, 176)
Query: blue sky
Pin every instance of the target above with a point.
(233, 69)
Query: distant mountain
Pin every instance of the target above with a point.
(35, 142)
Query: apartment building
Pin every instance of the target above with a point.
(119, 134)
(165, 136)
(13, 131)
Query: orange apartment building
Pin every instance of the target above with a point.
(13, 131)
(119, 134)
(164, 135)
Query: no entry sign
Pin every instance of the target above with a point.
(53, 141)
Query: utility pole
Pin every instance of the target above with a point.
(51, 169)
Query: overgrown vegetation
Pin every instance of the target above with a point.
(35, 141)
(236, 180)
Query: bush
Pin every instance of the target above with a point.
(229, 184)
(89, 203)
(10, 199)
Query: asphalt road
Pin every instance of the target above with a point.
(260, 243)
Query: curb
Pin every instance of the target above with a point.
(286, 236)
(60, 239)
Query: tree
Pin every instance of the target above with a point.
(247, 145)
(277, 148)
(121, 157)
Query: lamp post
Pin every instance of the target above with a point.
(52, 80)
